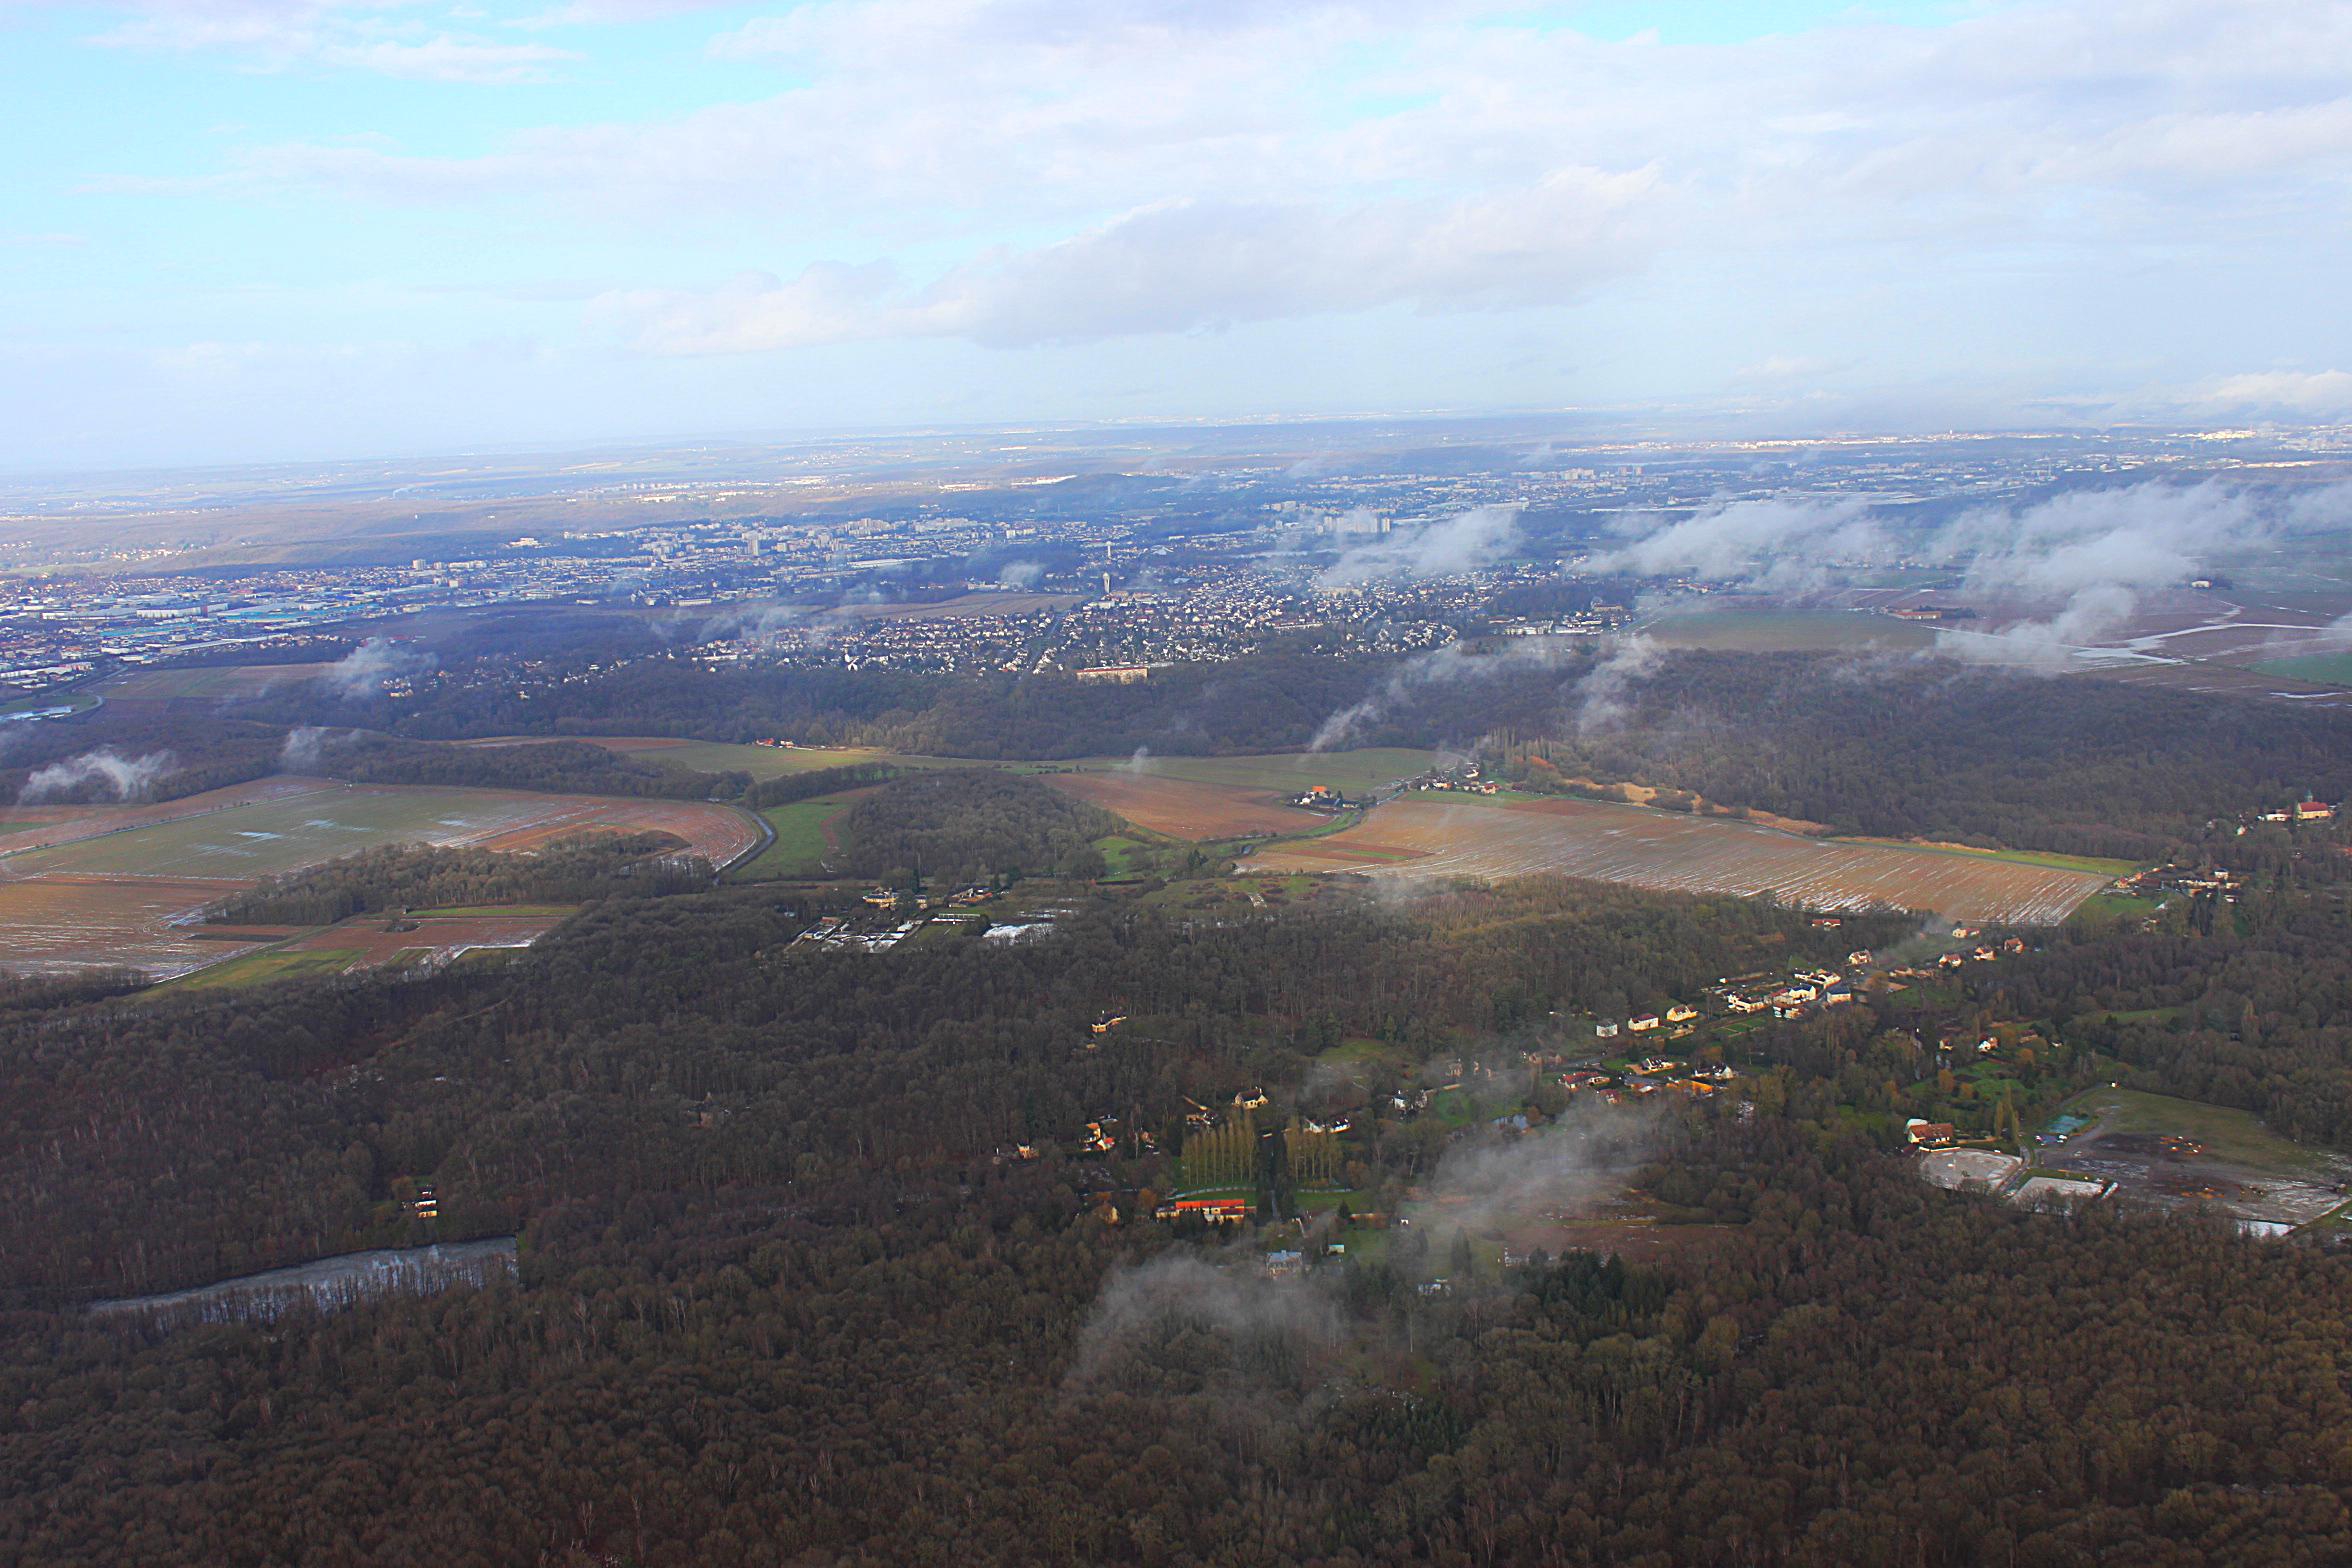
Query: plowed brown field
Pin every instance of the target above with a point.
(1184, 808)
(1419, 837)
(62, 923)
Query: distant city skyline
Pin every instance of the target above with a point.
(240, 232)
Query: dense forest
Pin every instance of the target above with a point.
(1942, 752)
(118, 752)
(561, 767)
(966, 825)
(405, 877)
(2259, 1018)
(784, 1297)
(807, 785)
(573, 1075)
(1259, 704)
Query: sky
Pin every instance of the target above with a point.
(234, 231)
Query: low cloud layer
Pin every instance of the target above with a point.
(1464, 542)
(2079, 565)
(363, 671)
(2300, 394)
(1605, 696)
(1784, 543)
(120, 777)
(1183, 1296)
(306, 747)
(1450, 665)
(1563, 1170)
(2091, 557)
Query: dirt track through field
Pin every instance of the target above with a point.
(1419, 837)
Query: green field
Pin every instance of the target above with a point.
(1786, 631)
(776, 762)
(2326, 669)
(2227, 1134)
(800, 846)
(78, 701)
(761, 762)
(259, 968)
(2106, 909)
(455, 910)
(1126, 856)
(1349, 772)
(2021, 857)
(272, 837)
(1362, 1050)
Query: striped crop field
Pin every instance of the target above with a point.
(1672, 852)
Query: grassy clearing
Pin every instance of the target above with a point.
(1317, 1200)
(1126, 858)
(461, 911)
(1363, 1051)
(261, 968)
(2227, 1134)
(2327, 669)
(1454, 1108)
(78, 701)
(761, 762)
(1350, 772)
(802, 841)
(2106, 909)
(2017, 857)
(249, 838)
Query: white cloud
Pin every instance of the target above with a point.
(1605, 696)
(2288, 391)
(1787, 543)
(1183, 267)
(2048, 122)
(1461, 543)
(118, 776)
(1989, 212)
(293, 34)
(2087, 558)
(2139, 537)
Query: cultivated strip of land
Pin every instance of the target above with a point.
(1419, 836)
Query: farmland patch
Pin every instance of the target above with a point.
(1421, 837)
(208, 683)
(1352, 773)
(122, 885)
(1186, 808)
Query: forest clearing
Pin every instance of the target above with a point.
(208, 683)
(374, 941)
(1671, 852)
(2174, 1153)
